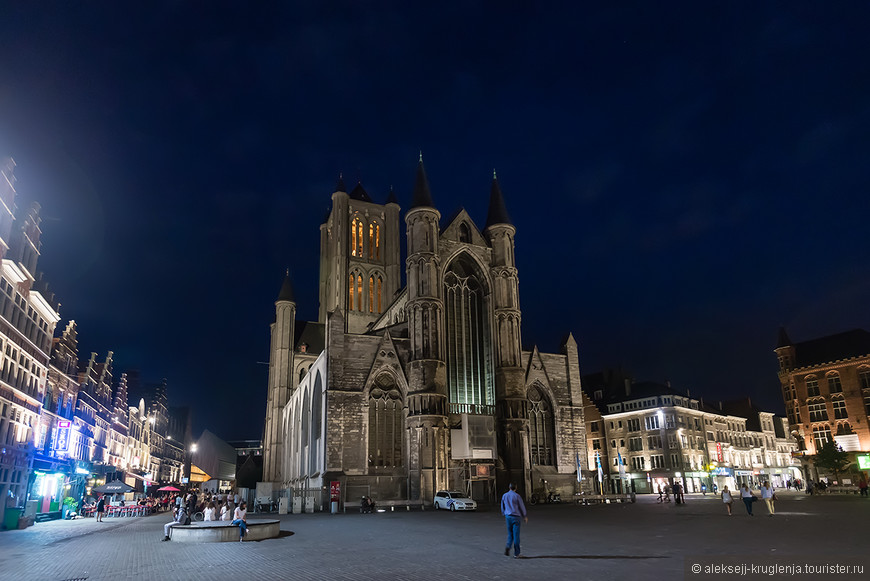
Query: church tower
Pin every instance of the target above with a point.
(280, 380)
(360, 269)
(427, 371)
(509, 375)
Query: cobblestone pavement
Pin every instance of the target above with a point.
(645, 540)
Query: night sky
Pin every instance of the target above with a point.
(684, 177)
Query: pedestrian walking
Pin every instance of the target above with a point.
(101, 508)
(748, 499)
(727, 499)
(661, 497)
(768, 496)
(862, 485)
(513, 509)
(240, 520)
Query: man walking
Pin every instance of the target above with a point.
(513, 509)
(101, 508)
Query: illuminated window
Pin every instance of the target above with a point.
(371, 294)
(469, 357)
(377, 241)
(359, 303)
(350, 298)
(371, 240)
(356, 238)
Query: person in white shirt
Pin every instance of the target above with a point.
(239, 519)
(727, 499)
(209, 512)
(748, 499)
(768, 497)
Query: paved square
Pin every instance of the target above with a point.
(645, 540)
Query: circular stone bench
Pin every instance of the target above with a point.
(219, 531)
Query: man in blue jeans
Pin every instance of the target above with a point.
(513, 509)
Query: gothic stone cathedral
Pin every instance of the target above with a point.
(397, 392)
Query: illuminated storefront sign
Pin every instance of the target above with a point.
(863, 461)
(61, 442)
(719, 452)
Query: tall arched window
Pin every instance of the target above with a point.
(464, 233)
(379, 292)
(834, 384)
(864, 377)
(469, 339)
(356, 238)
(377, 241)
(371, 294)
(359, 302)
(541, 434)
(844, 429)
(303, 437)
(316, 424)
(385, 423)
(350, 289)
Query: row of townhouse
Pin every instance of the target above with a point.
(647, 435)
(65, 425)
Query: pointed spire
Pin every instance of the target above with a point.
(286, 293)
(391, 199)
(359, 193)
(784, 340)
(422, 196)
(497, 212)
(340, 187)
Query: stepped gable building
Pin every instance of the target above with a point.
(399, 391)
(826, 389)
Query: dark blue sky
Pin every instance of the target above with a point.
(684, 177)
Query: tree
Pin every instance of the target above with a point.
(832, 457)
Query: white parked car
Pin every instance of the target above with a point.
(453, 500)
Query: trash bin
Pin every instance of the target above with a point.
(283, 504)
(10, 520)
(333, 507)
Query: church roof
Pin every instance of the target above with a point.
(286, 293)
(497, 211)
(312, 334)
(854, 343)
(422, 196)
(359, 193)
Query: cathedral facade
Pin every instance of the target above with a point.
(398, 391)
